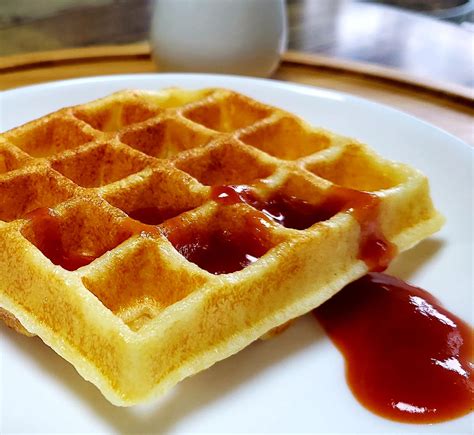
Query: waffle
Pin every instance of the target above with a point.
(147, 235)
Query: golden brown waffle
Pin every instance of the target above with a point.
(126, 302)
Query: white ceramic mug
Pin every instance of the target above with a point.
(221, 36)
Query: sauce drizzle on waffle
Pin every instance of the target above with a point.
(291, 212)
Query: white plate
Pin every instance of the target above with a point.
(295, 382)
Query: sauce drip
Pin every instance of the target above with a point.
(220, 251)
(46, 227)
(407, 358)
(374, 249)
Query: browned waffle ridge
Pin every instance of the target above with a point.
(131, 313)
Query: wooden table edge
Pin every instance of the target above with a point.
(451, 91)
(43, 59)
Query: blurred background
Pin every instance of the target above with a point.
(427, 38)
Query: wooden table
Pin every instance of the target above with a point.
(450, 107)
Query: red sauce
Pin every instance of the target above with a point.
(46, 227)
(289, 211)
(407, 358)
(153, 215)
(229, 195)
(292, 212)
(374, 249)
(220, 251)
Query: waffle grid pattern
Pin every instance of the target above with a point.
(141, 317)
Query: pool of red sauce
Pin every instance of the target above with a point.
(218, 250)
(407, 358)
(215, 250)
